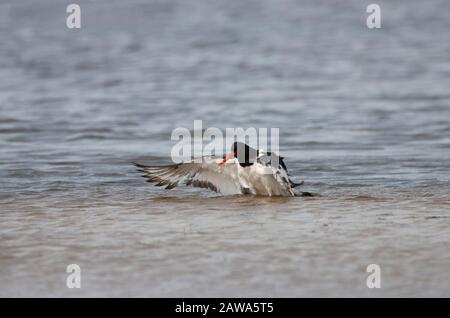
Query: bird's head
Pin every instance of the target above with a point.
(245, 154)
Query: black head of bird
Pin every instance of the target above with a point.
(245, 154)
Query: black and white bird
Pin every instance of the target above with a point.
(244, 170)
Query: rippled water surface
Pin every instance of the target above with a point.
(364, 118)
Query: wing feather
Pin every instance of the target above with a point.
(207, 174)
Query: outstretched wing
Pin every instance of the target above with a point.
(207, 174)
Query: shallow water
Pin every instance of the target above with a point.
(364, 118)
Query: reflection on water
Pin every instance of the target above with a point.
(364, 119)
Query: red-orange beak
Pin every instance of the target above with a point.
(227, 157)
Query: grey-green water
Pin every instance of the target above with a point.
(364, 118)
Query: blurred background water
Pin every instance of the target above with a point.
(364, 118)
